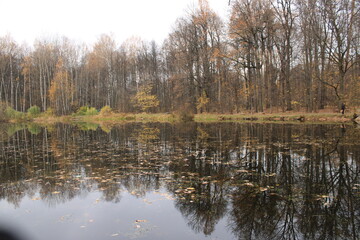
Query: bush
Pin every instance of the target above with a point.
(186, 116)
(49, 112)
(11, 113)
(7, 113)
(86, 111)
(33, 111)
(186, 113)
(106, 111)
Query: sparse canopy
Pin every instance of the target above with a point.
(277, 55)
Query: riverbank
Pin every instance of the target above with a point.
(278, 117)
(169, 117)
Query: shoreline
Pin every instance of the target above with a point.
(295, 117)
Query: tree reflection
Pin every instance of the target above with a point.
(312, 196)
(270, 181)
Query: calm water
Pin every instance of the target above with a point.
(181, 181)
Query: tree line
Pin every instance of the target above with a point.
(272, 55)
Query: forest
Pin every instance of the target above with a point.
(268, 56)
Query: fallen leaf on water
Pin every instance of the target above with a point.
(248, 184)
(55, 192)
(35, 199)
(139, 221)
(271, 175)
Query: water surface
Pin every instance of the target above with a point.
(181, 181)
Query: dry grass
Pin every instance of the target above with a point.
(168, 117)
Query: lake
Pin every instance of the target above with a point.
(181, 181)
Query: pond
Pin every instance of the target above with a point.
(181, 181)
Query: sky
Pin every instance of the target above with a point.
(86, 20)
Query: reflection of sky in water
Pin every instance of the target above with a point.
(90, 217)
(215, 181)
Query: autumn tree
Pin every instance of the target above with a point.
(253, 39)
(144, 100)
(61, 90)
(341, 19)
(193, 59)
(274, 55)
(10, 85)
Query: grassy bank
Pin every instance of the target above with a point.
(277, 117)
(168, 117)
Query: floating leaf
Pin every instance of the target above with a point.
(248, 184)
(140, 221)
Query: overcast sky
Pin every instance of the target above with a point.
(86, 20)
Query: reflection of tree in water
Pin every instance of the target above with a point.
(272, 181)
(311, 196)
(197, 186)
(254, 214)
(146, 134)
(204, 207)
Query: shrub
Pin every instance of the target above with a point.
(92, 111)
(49, 112)
(186, 116)
(186, 113)
(86, 111)
(11, 113)
(33, 111)
(106, 111)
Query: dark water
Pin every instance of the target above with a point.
(181, 181)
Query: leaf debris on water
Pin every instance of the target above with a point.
(140, 221)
